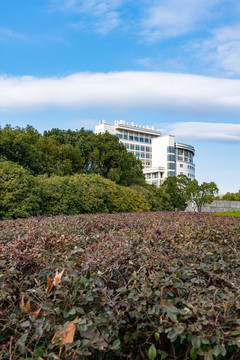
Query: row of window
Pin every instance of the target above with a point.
(180, 158)
(185, 153)
(189, 167)
(171, 173)
(171, 149)
(171, 166)
(139, 138)
(137, 147)
(141, 155)
(146, 163)
(171, 157)
(155, 175)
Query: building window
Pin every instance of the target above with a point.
(136, 138)
(171, 149)
(126, 146)
(137, 147)
(181, 165)
(180, 151)
(142, 148)
(131, 137)
(171, 173)
(155, 175)
(147, 148)
(141, 139)
(137, 154)
(125, 137)
(148, 176)
(171, 166)
(171, 158)
(131, 147)
(119, 136)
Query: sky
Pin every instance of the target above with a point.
(172, 64)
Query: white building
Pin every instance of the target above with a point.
(160, 155)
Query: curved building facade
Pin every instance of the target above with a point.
(160, 155)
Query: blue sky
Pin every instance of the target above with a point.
(174, 64)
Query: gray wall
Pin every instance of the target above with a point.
(217, 206)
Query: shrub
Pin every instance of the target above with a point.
(146, 285)
(18, 197)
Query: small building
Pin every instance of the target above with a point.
(160, 155)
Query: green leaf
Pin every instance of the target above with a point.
(152, 352)
(196, 341)
(23, 338)
(216, 350)
(193, 353)
(223, 350)
(72, 312)
(156, 335)
(163, 354)
(116, 344)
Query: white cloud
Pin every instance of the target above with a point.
(197, 95)
(224, 49)
(171, 18)
(9, 33)
(205, 131)
(102, 15)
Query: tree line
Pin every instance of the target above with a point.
(71, 172)
(67, 152)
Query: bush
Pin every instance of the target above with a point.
(18, 197)
(23, 195)
(146, 285)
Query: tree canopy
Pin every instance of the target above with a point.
(201, 194)
(67, 152)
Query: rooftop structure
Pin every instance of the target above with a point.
(160, 155)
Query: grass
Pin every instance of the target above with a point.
(228, 213)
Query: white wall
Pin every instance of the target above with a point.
(159, 150)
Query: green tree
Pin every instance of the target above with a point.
(201, 194)
(18, 192)
(174, 189)
(232, 196)
(109, 158)
(19, 145)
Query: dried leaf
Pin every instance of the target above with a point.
(66, 335)
(163, 302)
(25, 307)
(50, 285)
(36, 313)
(57, 278)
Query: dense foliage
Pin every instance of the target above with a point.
(23, 195)
(231, 196)
(67, 152)
(201, 194)
(147, 285)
